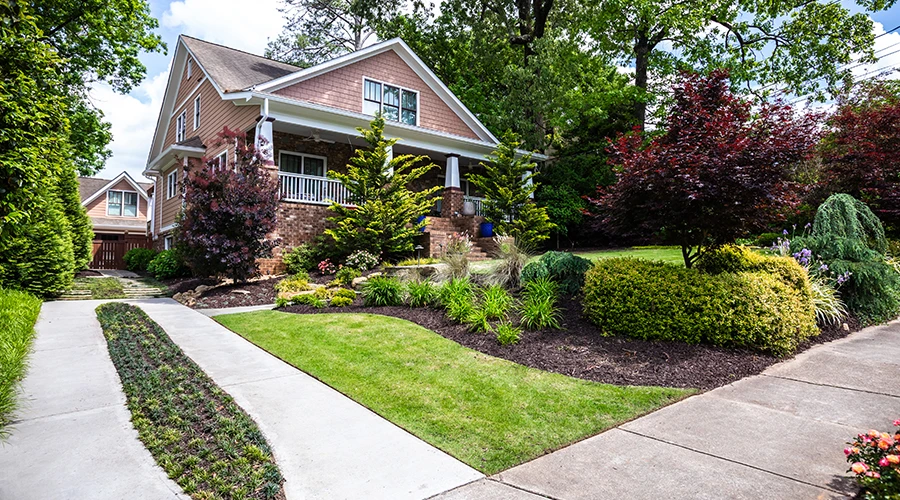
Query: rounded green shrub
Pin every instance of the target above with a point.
(341, 301)
(382, 291)
(566, 269)
(658, 301)
(137, 259)
(734, 259)
(167, 264)
(766, 240)
(534, 270)
(300, 259)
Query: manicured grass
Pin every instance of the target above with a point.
(671, 255)
(18, 314)
(490, 413)
(202, 439)
(100, 288)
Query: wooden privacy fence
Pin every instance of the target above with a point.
(110, 254)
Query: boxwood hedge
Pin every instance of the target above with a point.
(658, 301)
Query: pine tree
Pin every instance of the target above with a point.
(383, 219)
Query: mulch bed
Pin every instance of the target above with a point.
(579, 351)
(254, 293)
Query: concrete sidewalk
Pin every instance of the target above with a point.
(779, 435)
(74, 437)
(326, 445)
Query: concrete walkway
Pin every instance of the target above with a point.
(779, 435)
(326, 445)
(74, 437)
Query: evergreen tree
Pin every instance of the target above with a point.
(80, 228)
(383, 219)
(507, 188)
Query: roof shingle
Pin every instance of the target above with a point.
(235, 70)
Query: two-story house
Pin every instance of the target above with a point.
(119, 209)
(308, 119)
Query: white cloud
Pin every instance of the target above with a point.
(233, 23)
(887, 50)
(133, 118)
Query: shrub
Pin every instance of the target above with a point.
(300, 259)
(507, 334)
(874, 458)
(382, 291)
(188, 423)
(513, 257)
(829, 307)
(229, 210)
(533, 271)
(362, 260)
(538, 309)
(566, 269)
(477, 318)
(657, 301)
(327, 267)
(460, 310)
(18, 314)
(341, 301)
(345, 276)
(456, 256)
(766, 240)
(167, 264)
(309, 299)
(344, 293)
(458, 289)
(495, 302)
(137, 259)
(296, 283)
(894, 248)
(422, 293)
(733, 259)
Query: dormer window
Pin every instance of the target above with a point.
(395, 103)
(180, 126)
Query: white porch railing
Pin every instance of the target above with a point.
(312, 189)
(478, 202)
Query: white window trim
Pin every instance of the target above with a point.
(168, 242)
(196, 112)
(181, 126)
(381, 104)
(171, 193)
(307, 155)
(223, 158)
(137, 207)
(189, 67)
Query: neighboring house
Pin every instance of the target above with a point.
(307, 118)
(119, 210)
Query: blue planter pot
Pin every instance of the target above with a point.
(419, 221)
(486, 230)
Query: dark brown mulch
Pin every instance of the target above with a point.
(579, 351)
(87, 273)
(247, 294)
(181, 285)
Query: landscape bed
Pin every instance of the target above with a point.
(578, 349)
(487, 412)
(195, 431)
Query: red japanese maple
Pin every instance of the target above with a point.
(861, 153)
(719, 171)
(229, 211)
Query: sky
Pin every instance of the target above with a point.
(249, 27)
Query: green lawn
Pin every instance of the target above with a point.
(671, 255)
(490, 413)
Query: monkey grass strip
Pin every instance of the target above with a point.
(195, 431)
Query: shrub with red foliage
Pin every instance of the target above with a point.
(860, 153)
(229, 210)
(719, 171)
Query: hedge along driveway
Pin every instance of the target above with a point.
(487, 412)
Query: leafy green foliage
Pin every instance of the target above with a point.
(382, 291)
(457, 290)
(344, 293)
(747, 309)
(380, 223)
(477, 318)
(422, 293)
(301, 258)
(495, 302)
(345, 276)
(296, 283)
(137, 259)
(507, 333)
(18, 314)
(80, 226)
(196, 432)
(362, 260)
(167, 264)
(566, 269)
(848, 237)
(734, 259)
(507, 187)
(534, 270)
(830, 309)
(538, 309)
(341, 301)
(229, 212)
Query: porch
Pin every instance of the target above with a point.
(302, 159)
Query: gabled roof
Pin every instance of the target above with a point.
(409, 57)
(234, 70)
(90, 185)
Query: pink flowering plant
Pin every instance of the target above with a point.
(874, 459)
(327, 267)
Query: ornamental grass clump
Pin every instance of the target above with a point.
(507, 333)
(195, 431)
(538, 309)
(513, 256)
(874, 459)
(495, 302)
(382, 291)
(456, 257)
(422, 293)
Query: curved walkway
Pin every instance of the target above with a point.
(74, 437)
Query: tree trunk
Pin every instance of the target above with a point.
(641, 55)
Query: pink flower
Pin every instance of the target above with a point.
(859, 467)
(883, 462)
(847, 451)
(897, 423)
(893, 459)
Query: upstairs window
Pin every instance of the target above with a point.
(121, 203)
(180, 126)
(221, 161)
(197, 113)
(172, 184)
(189, 68)
(395, 103)
(296, 163)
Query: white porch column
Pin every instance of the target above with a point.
(529, 182)
(451, 179)
(264, 140)
(387, 161)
